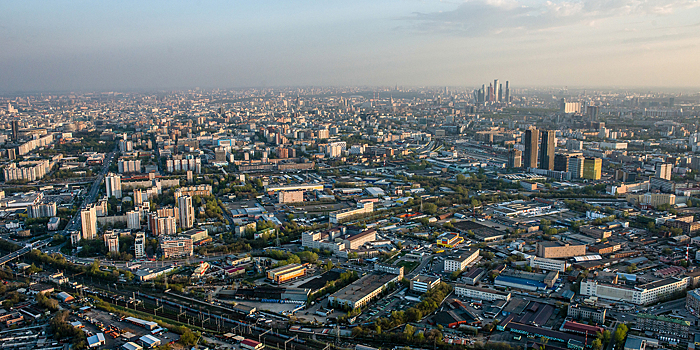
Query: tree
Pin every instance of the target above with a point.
(597, 344)
(430, 208)
(667, 251)
(188, 338)
(632, 268)
(620, 334)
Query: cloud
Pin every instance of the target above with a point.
(487, 17)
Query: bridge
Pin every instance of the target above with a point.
(28, 248)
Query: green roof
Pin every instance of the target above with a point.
(664, 319)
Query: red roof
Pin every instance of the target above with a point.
(582, 328)
(249, 342)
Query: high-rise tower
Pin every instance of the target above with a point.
(547, 150)
(530, 155)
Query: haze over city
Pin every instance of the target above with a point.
(86, 45)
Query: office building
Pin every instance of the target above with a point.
(644, 294)
(460, 261)
(663, 171)
(547, 150)
(580, 312)
(547, 264)
(386, 268)
(140, 245)
(515, 158)
(475, 293)
(558, 250)
(113, 184)
(112, 241)
(530, 155)
(186, 212)
(561, 162)
(422, 284)
(592, 168)
(175, 246)
(574, 145)
(496, 90)
(576, 167)
(88, 222)
(506, 95)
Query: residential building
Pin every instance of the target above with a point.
(515, 158)
(140, 245)
(651, 200)
(663, 171)
(113, 184)
(186, 211)
(112, 241)
(133, 220)
(88, 222)
(43, 210)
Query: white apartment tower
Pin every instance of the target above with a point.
(113, 183)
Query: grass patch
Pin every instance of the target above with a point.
(408, 266)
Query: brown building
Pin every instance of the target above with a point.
(176, 246)
(599, 232)
(604, 248)
(686, 223)
(557, 249)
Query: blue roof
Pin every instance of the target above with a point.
(518, 280)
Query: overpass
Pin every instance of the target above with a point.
(28, 248)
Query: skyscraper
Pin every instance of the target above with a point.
(88, 222)
(515, 158)
(507, 93)
(530, 156)
(496, 90)
(663, 171)
(186, 210)
(113, 184)
(15, 130)
(592, 168)
(500, 93)
(547, 150)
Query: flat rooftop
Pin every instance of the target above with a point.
(365, 285)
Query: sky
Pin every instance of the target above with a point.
(58, 46)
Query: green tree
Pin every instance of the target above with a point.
(430, 208)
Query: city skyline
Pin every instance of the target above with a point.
(79, 46)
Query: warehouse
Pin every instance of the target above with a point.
(362, 291)
(286, 273)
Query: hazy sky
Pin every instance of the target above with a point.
(121, 45)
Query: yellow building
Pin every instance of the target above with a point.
(592, 168)
(449, 240)
(286, 273)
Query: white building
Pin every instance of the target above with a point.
(639, 295)
(133, 220)
(140, 245)
(547, 264)
(184, 205)
(88, 222)
(476, 293)
(461, 261)
(113, 184)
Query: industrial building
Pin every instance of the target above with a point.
(461, 260)
(639, 295)
(362, 291)
(422, 284)
(558, 249)
(286, 273)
